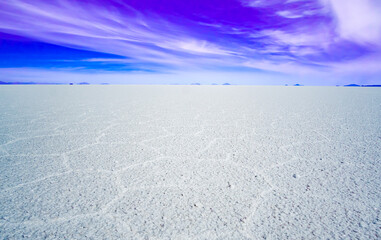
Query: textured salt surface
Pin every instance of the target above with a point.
(198, 162)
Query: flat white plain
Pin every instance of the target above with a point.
(190, 162)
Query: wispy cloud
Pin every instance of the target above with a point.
(289, 14)
(93, 27)
(356, 20)
(260, 3)
(303, 36)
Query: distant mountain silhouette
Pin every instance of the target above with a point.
(195, 83)
(356, 85)
(298, 85)
(4, 83)
(226, 84)
(27, 83)
(19, 83)
(370, 85)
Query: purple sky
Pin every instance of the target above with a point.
(313, 42)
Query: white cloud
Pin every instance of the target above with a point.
(363, 65)
(148, 39)
(90, 27)
(255, 3)
(200, 47)
(357, 20)
(259, 3)
(289, 14)
(303, 51)
(194, 46)
(289, 67)
(292, 1)
(314, 37)
(298, 13)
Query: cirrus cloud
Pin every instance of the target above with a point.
(294, 36)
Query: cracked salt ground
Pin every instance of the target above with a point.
(183, 162)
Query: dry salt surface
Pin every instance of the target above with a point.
(190, 162)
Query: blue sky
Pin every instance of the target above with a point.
(272, 42)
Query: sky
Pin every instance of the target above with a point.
(259, 42)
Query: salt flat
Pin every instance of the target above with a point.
(190, 162)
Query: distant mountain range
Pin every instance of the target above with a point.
(86, 83)
(28, 83)
(39, 83)
(356, 85)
